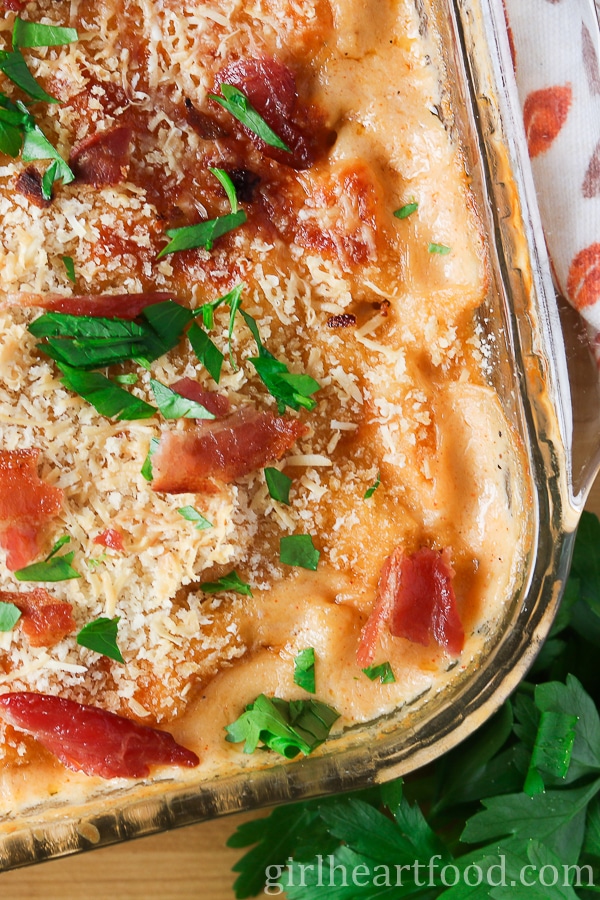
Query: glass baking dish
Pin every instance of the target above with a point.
(540, 353)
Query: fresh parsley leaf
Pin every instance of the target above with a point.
(441, 249)
(173, 406)
(35, 34)
(228, 185)
(236, 103)
(190, 237)
(551, 751)
(130, 378)
(69, 268)
(207, 352)
(230, 582)
(53, 568)
(37, 146)
(207, 310)
(407, 210)
(168, 321)
(371, 490)
(287, 727)
(106, 397)
(383, 672)
(9, 616)
(304, 670)
(146, 470)
(586, 561)
(192, 515)
(299, 550)
(12, 63)
(101, 636)
(290, 390)
(94, 562)
(279, 485)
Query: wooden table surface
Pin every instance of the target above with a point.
(185, 864)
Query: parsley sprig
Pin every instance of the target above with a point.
(288, 727)
(53, 567)
(237, 104)
(524, 790)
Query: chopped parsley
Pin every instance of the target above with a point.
(299, 550)
(207, 310)
(9, 616)
(237, 104)
(173, 406)
(192, 515)
(382, 672)
(69, 268)
(190, 237)
(304, 670)
(278, 484)
(146, 470)
(407, 210)
(105, 396)
(230, 582)
(12, 63)
(207, 352)
(441, 249)
(35, 34)
(228, 186)
(53, 568)
(371, 490)
(287, 727)
(101, 636)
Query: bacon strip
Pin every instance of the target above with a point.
(217, 404)
(44, 620)
(415, 596)
(103, 158)
(221, 451)
(125, 306)
(26, 504)
(92, 740)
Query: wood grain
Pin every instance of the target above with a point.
(186, 864)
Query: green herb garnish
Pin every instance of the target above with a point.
(190, 237)
(105, 396)
(130, 378)
(9, 616)
(69, 268)
(101, 636)
(371, 490)
(146, 470)
(12, 63)
(230, 582)
(304, 670)
(279, 485)
(207, 352)
(34, 34)
(53, 568)
(287, 727)
(236, 103)
(382, 672)
(299, 550)
(405, 211)
(192, 515)
(173, 406)
(441, 249)
(207, 310)
(228, 185)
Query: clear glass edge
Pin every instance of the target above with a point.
(405, 740)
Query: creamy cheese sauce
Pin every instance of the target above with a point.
(403, 392)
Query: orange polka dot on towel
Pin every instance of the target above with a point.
(545, 112)
(583, 283)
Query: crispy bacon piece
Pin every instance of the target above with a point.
(270, 86)
(29, 183)
(26, 504)
(111, 538)
(415, 596)
(44, 619)
(219, 452)
(217, 404)
(125, 306)
(104, 157)
(92, 740)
